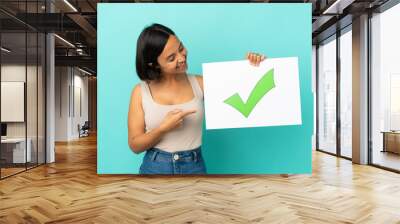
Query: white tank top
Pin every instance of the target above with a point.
(186, 137)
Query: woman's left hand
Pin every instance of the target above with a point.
(254, 58)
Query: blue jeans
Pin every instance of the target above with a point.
(157, 161)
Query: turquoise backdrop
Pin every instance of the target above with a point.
(211, 33)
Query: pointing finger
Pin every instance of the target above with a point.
(188, 112)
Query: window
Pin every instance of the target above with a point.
(327, 96)
(385, 89)
(346, 93)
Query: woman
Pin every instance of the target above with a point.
(166, 109)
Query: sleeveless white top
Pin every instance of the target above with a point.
(186, 137)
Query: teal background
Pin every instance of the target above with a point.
(211, 33)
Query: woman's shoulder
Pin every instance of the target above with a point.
(199, 79)
(198, 76)
(137, 91)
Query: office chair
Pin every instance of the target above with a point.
(84, 130)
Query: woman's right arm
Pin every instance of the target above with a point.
(138, 139)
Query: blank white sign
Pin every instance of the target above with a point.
(12, 101)
(279, 106)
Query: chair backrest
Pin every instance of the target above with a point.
(86, 124)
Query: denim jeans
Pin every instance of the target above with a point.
(157, 161)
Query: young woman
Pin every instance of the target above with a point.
(166, 109)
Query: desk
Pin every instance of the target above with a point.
(391, 141)
(16, 148)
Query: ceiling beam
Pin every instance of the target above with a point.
(83, 61)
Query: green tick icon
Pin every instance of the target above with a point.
(263, 86)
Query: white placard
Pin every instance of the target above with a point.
(276, 101)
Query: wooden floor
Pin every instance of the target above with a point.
(70, 191)
(5, 172)
(387, 159)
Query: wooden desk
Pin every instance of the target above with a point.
(391, 141)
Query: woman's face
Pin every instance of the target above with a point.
(172, 59)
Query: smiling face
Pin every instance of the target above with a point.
(172, 59)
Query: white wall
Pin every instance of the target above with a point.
(61, 103)
(12, 73)
(71, 93)
(15, 72)
(81, 84)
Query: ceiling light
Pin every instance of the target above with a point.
(84, 71)
(70, 5)
(64, 40)
(337, 7)
(5, 50)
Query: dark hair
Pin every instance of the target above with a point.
(150, 44)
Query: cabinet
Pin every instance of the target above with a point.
(391, 141)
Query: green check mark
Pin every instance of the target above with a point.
(263, 86)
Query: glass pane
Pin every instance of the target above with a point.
(31, 100)
(14, 152)
(41, 98)
(385, 93)
(346, 94)
(327, 97)
(23, 88)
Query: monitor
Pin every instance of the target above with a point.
(3, 129)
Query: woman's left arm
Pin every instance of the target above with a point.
(254, 59)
